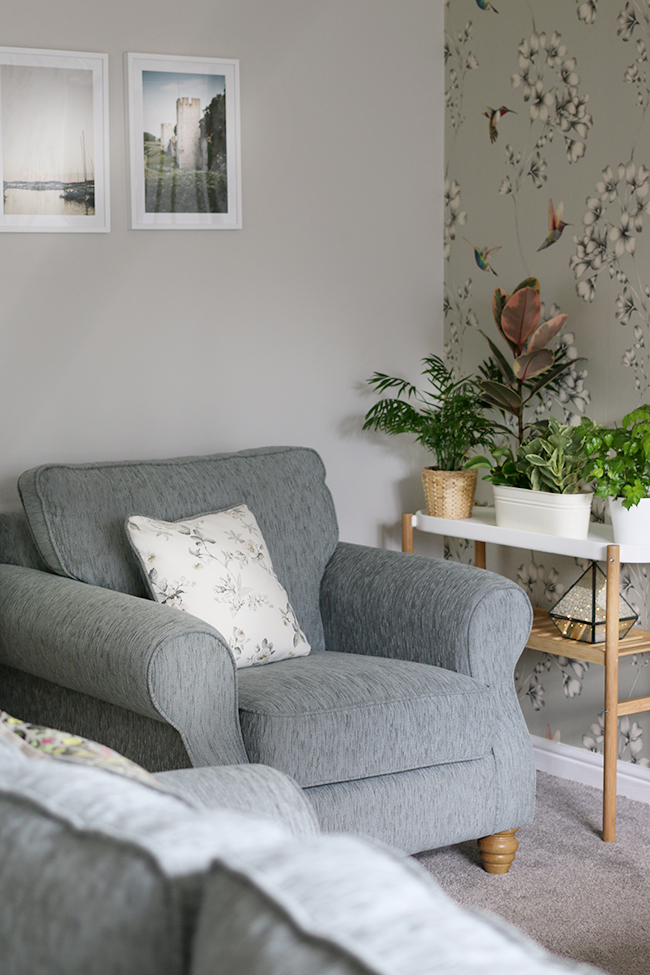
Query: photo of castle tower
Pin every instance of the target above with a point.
(184, 142)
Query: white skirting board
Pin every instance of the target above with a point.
(581, 765)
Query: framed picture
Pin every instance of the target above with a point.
(184, 143)
(54, 141)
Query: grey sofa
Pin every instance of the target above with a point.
(101, 875)
(402, 724)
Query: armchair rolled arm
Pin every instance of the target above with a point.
(131, 652)
(390, 604)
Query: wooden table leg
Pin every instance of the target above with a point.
(479, 554)
(407, 533)
(610, 756)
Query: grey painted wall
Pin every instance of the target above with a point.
(337, 272)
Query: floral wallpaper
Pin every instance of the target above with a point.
(547, 174)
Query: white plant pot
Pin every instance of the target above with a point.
(566, 515)
(631, 525)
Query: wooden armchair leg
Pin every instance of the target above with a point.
(498, 851)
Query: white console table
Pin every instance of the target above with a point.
(598, 547)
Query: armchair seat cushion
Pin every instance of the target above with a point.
(336, 717)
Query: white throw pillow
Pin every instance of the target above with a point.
(217, 567)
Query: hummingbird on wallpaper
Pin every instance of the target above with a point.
(494, 114)
(555, 225)
(486, 5)
(482, 256)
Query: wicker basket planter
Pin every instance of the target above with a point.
(449, 494)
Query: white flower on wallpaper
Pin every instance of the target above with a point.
(459, 316)
(454, 216)
(635, 587)
(542, 585)
(530, 685)
(630, 740)
(613, 219)
(630, 18)
(550, 83)
(459, 60)
(587, 10)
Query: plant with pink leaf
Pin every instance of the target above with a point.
(511, 387)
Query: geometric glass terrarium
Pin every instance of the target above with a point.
(580, 613)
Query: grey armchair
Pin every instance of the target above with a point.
(402, 724)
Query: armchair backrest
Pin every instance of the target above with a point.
(76, 513)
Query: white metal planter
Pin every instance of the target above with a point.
(631, 525)
(566, 515)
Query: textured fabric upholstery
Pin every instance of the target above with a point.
(150, 742)
(337, 906)
(334, 717)
(131, 652)
(16, 542)
(455, 616)
(254, 789)
(414, 811)
(431, 760)
(77, 513)
(100, 875)
(434, 611)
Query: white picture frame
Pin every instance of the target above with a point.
(184, 142)
(54, 159)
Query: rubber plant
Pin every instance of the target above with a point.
(510, 387)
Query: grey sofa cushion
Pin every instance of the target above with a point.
(338, 906)
(100, 875)
(254, 789)
(16, 543)
(335, 717)
(77, 511)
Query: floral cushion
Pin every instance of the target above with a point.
(35, 741)
(217, 567)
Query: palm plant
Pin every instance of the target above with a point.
(447, 419)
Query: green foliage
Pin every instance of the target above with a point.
(446, 419)
(509, 388)
(620, 458)
(185, 191)
(213, 129)
(553, 460)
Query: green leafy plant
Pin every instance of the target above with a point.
(510, 387)
(446, 419)
(554, 460)
(619, 458)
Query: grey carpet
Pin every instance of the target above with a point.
(574, 894)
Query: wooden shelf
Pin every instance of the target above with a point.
(598, 547)
(545, 637)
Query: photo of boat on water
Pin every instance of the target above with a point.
(48, 147)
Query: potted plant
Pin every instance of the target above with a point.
(511, 387)
(619, 463)
(447, 419)
(537, 487)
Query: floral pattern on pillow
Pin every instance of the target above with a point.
(36, 741)
(217, 567)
